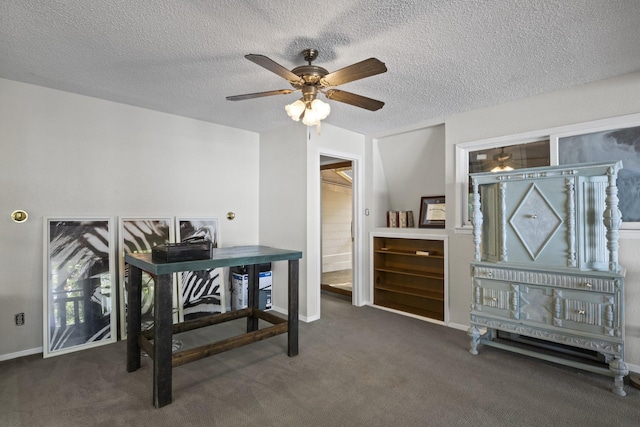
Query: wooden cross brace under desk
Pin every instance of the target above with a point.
(161, 334)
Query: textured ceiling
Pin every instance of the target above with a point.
(443, 56)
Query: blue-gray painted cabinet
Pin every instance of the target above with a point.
(546, 267)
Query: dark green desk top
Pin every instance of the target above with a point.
(221, 257)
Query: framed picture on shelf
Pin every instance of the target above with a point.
(432, 212)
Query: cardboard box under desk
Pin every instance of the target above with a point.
(240, 290)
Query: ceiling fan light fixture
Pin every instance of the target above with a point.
(295, 110)
(320, 109)
(311, 113)
(316, 112)
(502, 169)
(310, 79)
(502, 158)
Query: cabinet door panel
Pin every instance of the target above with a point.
(536, 304)
(496, 297)
(537, 222)
(586, 311)
(490, 225)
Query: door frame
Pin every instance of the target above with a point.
(357, 295)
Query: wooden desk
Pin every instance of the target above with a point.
(161, 334)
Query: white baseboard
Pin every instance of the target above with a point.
(415, 316)
(23, 353)
(302, 318)
(458, 326)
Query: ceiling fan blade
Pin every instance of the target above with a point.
(260, 94)
(353, 99)
(360, 70)
(274, 67)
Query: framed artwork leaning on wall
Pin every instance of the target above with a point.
(202, 292)
(79, 284)
(140, 235)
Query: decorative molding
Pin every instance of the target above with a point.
(614, 348)
(571, 221)
(612, 218)
(476, 220)
(502, 219)
(608, 284)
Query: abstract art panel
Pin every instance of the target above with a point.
(79, 296)
(202, 292)
(616, 144)
(140, 235)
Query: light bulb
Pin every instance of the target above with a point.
(295, 110)
(502, 169)
(322, 109)
(310, 117)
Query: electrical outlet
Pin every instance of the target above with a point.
(19, 319)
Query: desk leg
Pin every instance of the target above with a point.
(253, 293)
(292, 349)
(134, 291)
(162, 336)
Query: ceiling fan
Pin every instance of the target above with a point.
(311, 79)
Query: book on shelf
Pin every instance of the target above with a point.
(400, 219)
(392, 219)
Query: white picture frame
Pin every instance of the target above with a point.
(79, 298)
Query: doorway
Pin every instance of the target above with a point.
(337, 236)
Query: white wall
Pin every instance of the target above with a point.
(607, 98)
(283, 205)
(290, 202)
(69, 155)
(413, 167)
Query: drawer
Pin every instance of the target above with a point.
(596, 282)
(496, 297)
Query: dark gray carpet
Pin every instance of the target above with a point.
(356, 367)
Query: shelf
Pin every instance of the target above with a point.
(437, 315)
(408, 281)
(421, 293)
(415, 273)
(407, 253)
